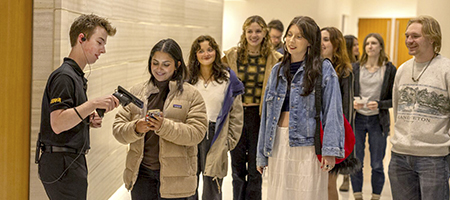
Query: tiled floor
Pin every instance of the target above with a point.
(122, 193)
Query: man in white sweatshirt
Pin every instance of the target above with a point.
(421, 141)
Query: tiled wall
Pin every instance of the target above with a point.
(140, 24)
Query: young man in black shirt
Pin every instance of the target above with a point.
(67, 114)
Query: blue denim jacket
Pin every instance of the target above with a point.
(301, 113)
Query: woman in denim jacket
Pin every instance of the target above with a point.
(286, 136)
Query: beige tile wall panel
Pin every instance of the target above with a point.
(43, 34)
(140, 24)
(42, 51)
(137, 73)
(40, 4)
(138, 10)
(63, 20)
(37, 92)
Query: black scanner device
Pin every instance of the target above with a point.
(125, 98)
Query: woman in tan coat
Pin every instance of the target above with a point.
(162, 157)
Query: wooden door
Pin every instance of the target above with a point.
(400, 51)
(15, 98)
(378, 25)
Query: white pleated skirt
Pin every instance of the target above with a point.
(294, 172)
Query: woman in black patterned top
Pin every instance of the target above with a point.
(252, 60)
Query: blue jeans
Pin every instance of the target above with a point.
(419, 177)
(377, 147)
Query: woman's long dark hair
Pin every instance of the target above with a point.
(172, 48)
(218, 69)
(313, 62)
(349, 42)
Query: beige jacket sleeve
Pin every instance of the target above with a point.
(124, 126)
(236, 123)
(230, 58)
(192, 131)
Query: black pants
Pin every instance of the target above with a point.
(147, 186)
(73, 182)
(245, 152)
(211, 187)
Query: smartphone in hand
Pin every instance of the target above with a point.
(152, 113)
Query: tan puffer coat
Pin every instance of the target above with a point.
(184, 126)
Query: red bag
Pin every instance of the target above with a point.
(349, 143)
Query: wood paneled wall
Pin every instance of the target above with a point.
(140, 24)
(15, 87)
(379, 25)
(383, 27)
(401, 54)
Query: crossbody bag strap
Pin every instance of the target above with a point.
(318, 106)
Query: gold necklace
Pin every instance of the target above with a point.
(423, 70)
(253, 52)
(205, 81)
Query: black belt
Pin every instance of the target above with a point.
(56, 149)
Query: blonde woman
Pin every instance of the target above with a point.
(252, 61)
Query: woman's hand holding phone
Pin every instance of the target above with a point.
(151, 122)
(154, 119)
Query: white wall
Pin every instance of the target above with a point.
(380, 9)
(438, 9)
(330, 13)
(324, 12)
(235, 13)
